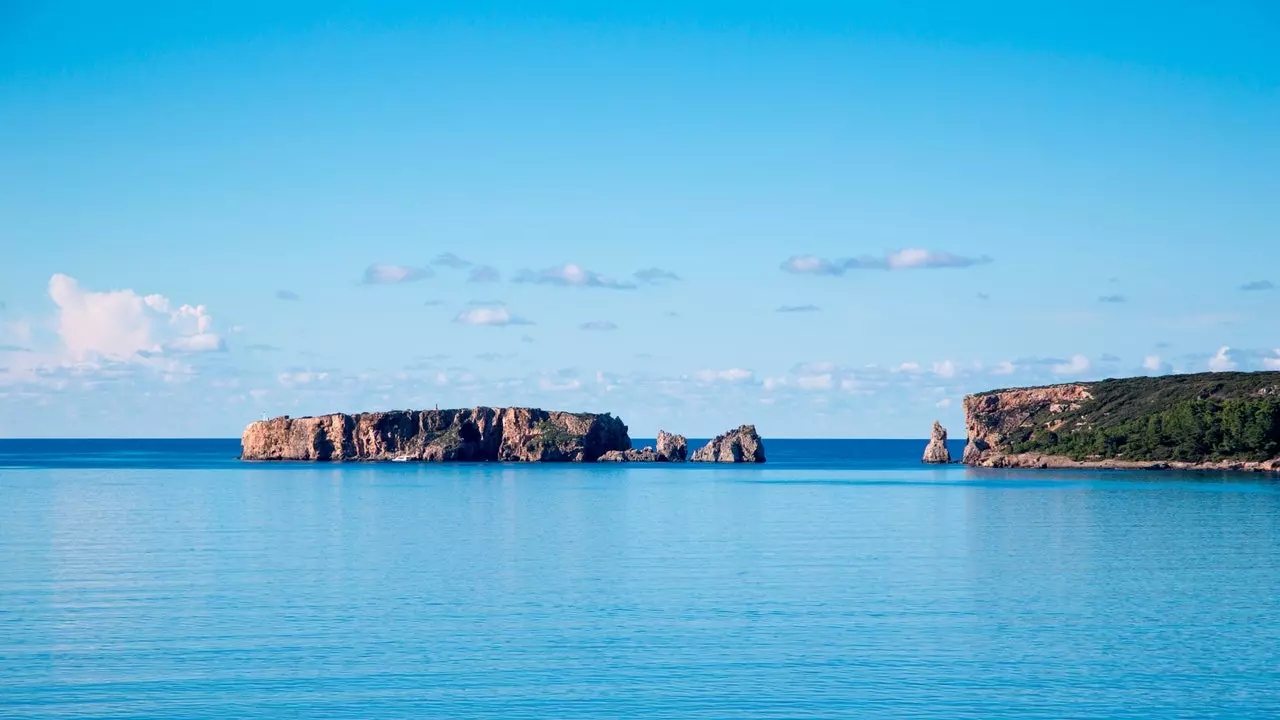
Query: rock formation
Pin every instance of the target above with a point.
(736, 446)
(672, 448)
(994, 420)
(502, 434)
(478, 434)
(937, 452)
(645, 454)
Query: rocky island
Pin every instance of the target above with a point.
(478, 434)
(1210, 421)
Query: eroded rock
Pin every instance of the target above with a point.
(672, 448)
(742, 445)
(937, 452)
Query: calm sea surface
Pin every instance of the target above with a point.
(164, 579)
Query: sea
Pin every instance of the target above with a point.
(841, 579)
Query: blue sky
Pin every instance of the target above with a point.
(827, 219)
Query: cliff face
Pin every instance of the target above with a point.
(997, 420)
(499, 434)
(1199, 421)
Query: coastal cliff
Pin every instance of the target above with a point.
(496, 434)
(1228, 421)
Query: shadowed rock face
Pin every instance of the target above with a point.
(937, 452)
(736, 446)
(672, 448)
(477, 434)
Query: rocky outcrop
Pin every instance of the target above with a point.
(937, 453)
(477, 434)
(736, 446)
(995, 420)
(645, 454)
(672, 448)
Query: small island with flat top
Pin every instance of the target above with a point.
(1203, 421)
(477, 435)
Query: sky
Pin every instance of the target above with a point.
(827, 219)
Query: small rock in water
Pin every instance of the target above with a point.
(937, 452)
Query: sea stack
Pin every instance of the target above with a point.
(736, 446)
(672, 448)
(936, 453)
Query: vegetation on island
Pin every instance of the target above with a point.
(1189, 418)
(550, 435)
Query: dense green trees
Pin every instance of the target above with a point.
(1188, 430)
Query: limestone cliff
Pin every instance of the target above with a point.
(1227, 421)
(496, 434)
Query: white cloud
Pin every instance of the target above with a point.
(598, 325)
(815, 382)
(1155, 364)
(1076, 365)
(906, 367)
(380, 274)
(944, 403)
(200, 342)
(497, 316)
(301, 377)
(1222, 362)
(811, 265)
(122, 325)
(905, 259)
(553, 386)
(570, 275)
(1272, 363)
(911, 258)
(945, 369)
(732, 375)
(1004, 367)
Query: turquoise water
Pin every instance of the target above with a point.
(842, 579)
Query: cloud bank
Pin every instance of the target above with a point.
(905, 259)
(380, 274)
(570, 275)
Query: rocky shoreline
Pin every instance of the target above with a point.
(479, 434)
(1038, 461)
